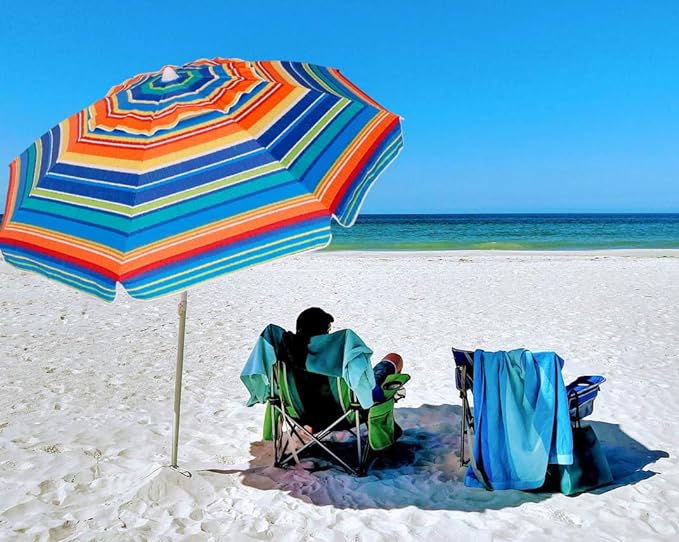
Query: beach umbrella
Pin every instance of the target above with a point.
(184, 174)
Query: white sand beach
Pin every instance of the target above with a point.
(86, 392)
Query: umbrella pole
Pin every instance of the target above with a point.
(181, 310)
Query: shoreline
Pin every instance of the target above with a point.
(622, 252)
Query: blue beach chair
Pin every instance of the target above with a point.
(581, 395)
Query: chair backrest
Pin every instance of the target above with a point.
(581, 394)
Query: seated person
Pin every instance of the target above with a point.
(315, 321)
(314, 361)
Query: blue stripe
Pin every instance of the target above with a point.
(290, 118)
(107, 286)
(303, 125)
(135, 197)
(297, 71)
(134, 180)
(335, 85)
(72, 226)
(325, 159)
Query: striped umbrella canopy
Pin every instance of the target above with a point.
(181, 175)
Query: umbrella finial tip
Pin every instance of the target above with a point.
(168, 74)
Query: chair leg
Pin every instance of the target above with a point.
(275, 436)
(463, 434)
(466, 425)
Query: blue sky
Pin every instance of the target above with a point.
(508, 106)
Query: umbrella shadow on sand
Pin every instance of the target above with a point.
(422, 469)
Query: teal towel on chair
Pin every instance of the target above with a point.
(521, 418)
(340, 354)
(343, 353)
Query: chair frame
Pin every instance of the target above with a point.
(464, 382)
(284, 457)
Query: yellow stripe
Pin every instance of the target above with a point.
(148, 164)
(38, 163)
(277, 112)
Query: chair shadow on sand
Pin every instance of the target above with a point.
(422, 469)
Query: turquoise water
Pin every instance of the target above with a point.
(508, 232)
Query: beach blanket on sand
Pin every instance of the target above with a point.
(521, 418)
(339, 354)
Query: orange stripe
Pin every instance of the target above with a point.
(73, 248)
(252, 117)
(11, 191)
(73, 128)
(357, 152)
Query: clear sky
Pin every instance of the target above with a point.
(508, 106)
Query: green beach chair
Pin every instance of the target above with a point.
(299, 399)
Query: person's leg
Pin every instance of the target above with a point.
(391, 363)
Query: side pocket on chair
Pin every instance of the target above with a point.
(267, 431)
(381, 425)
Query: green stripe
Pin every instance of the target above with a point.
(320, 126)
(317, 76)
(149, 85)
(330, 130)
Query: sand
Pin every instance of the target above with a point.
(87, 390)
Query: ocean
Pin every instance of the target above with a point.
(508, 232)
